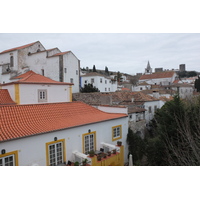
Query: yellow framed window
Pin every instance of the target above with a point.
(116, 132)
(55, 152)
(9, 159)
(89, 142)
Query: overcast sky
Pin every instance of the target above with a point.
(124, 52)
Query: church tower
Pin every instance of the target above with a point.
(148, 70)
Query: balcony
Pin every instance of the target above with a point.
(109, 155)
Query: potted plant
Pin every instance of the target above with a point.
(104, 155)
(84, 162)
(109, 153)
(99, 157)
(91, 153)
(114, 151)
(119, 143)
(76, 163)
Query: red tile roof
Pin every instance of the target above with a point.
(31, 77)
(17, 48)
(27, 120)
(157, 75)
(5, 98)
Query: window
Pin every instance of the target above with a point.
(42, 72)
(65, 69)
(105, 89)
(71, 80)
(155, 108)
(9, 159)
(55, 152)
(11, 61)
(116, 132)
(86, 82)
(109, 89)
(89, 142)
(42, 95)
(92, 80)
(100, 80)
(76, 72)
(130, 116)
(149, 109)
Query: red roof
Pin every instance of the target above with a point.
(5, 98)
(17, 48)
(157, 75)
(26, 120)
(31, 77)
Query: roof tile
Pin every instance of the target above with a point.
(27, 120)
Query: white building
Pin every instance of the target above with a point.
(57, 65)
(53, 134)
(32, 88)
(159, 78)
(103, 83)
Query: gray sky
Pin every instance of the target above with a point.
(124, 52)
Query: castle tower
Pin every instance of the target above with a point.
(148, 70)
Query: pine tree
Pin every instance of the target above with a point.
(94, 68)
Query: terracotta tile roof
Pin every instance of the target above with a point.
(5, 98)
(157, 75)
(31, 77)
(125, 89)
(27, 120)
(136, 110)
(17, 48)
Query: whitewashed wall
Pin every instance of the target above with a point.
(29, 93)
(71, 63)
(105, 86)
(32, 150)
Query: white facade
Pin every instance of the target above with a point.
(153, 80)
(151, 107)
(30, 93)
(64, 67)
(32, 150)
(103, 83)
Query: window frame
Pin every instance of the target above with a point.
(83, 141)
(48, 153)
(44, 93)
(12, 153)
(114, 138)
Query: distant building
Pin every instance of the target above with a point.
(148, 69)
(182, 68)
(159, 78)
(158, 69)
(52, 63)
(102, 82)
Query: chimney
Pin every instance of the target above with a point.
(156, 94)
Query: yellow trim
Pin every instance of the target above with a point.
(117, 138)
(15, 153)
(53, 142)
(83, 140)
(17, 94)
(70, 93)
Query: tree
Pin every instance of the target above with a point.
(89, 88)
(94, 69)
(178, 126)
(197, 84)
(136, 146)
(106, 71)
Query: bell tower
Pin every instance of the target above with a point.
(148, 69)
